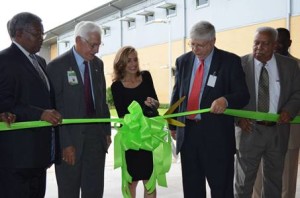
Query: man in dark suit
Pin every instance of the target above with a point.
(25, 90)
(260, 140)
(80, 91)
(207, 143)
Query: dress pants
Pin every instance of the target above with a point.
(289, 177)
(259, 145)
(22, 182)
(201, 160)
(86, 175)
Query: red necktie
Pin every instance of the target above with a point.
(193, 101)
(89, 103)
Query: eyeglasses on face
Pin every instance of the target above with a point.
(92, 45)
(35, 34)
(195, 45)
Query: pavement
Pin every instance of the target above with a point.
(112, 186)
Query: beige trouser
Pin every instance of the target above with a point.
(289, 177)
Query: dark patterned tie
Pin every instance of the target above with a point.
(263, 90)
(88, 97)
(39, 70)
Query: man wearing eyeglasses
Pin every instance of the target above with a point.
(80, 91)
(209, 78)
(25, 91)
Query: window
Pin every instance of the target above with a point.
(131, 24)
(149, 15)
(200, 3)
(171, 11)
(106, 30)
(169, 7)
(130, 21)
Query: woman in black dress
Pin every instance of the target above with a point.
(129, 83)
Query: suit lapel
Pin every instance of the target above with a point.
(280, 67)
(72, 65)
(249, 70)
(27, 64)
(97, 84)
(95, 73)
(187, 68)
(213, 70)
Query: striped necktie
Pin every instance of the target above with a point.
(39, 70)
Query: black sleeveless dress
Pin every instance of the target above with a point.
(139, 163)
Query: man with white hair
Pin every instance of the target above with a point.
(80, 92)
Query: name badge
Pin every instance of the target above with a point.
(212, 80)
(72, 78)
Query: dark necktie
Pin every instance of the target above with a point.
(39, 70)
(193, 101)
(88, 97)
(263, 90)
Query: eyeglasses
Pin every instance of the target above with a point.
(36, 34)
(92, 46)
(198, 46)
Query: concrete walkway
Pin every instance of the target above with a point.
(112, 186)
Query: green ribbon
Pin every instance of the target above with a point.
(151, 134)
(37, 124)
(233, 112)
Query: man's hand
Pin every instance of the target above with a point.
(69, 155)
(8, 118)
(245, 124)
(284, 117)
(52, 116)
(173, 134)
(219, 105)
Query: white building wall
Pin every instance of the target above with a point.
(224, 14)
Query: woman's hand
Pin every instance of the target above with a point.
(151, 102)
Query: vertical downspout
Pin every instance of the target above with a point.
(121, 29)
(288, 15)
(184, 26)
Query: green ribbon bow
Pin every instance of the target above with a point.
(151, 134)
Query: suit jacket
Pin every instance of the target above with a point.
(70, 100)
(289, 98)
(230, 83)
(294, 140)
(23, 93)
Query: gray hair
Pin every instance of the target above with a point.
(269, 30)
(203, 30)
(83, 28)
(22, 21)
